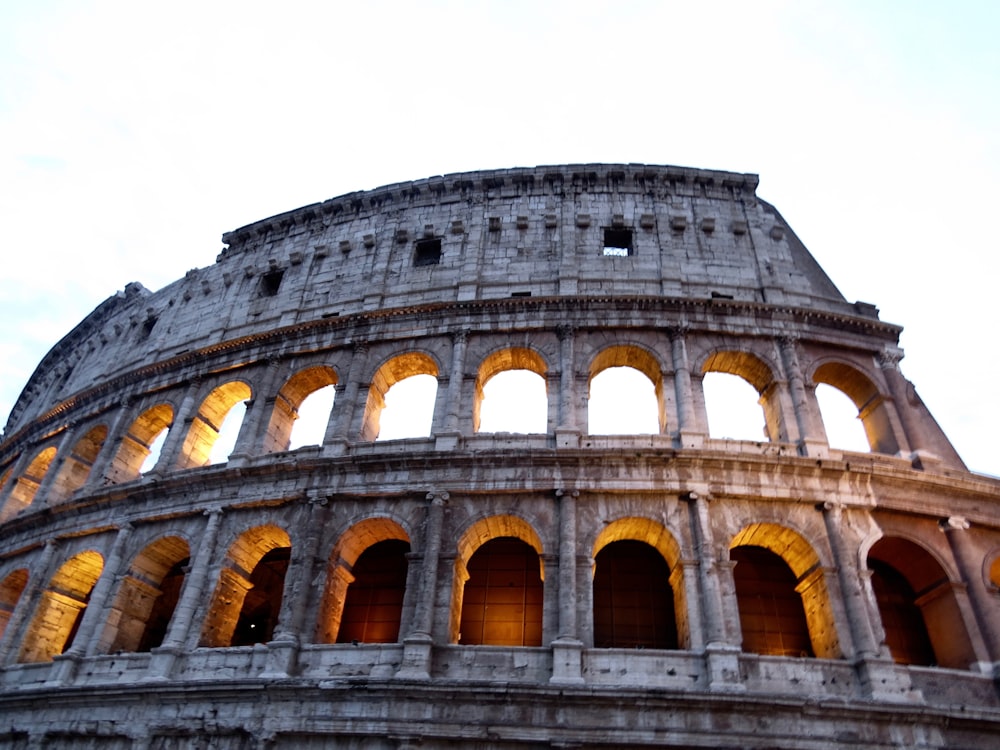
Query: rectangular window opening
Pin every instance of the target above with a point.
(617, 243)
(270, 282)
(427, 253)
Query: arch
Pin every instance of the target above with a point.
(503, 595)
(285, 415)
(345, 554)
(256, 562)
(147, 597)
(508, 361)
(844, 429)
(373, 606)
(11, 588)
(916, 600)
(61, 608)
(390, 373)
(781, 594)
(475, 536)
(208, 424)
(608, 400)
(641, 530)
(76, 468)
(755, 371)
(867, 398)
(22, 494)
(633, 597)
(136, 445)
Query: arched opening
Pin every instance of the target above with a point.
(771, 615)
(917, 604)
(373, 607)
(76, 468)
(11, 589)
(511, 393)
(409, 409)
(740, 398)
(247, 599)
(22, 494)
(142, 441)
(61, 608)
(995, 572)
(782, 595)
(625, 393)
(379, 574)
(869, 403)
(633, 598)
(301, 410)
(844, 429)
(147, 597)
(216, 422)
(262, 603)
(502, 599)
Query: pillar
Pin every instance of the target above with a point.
(812, 437)
(255, 421)
(38, 576)
(691, 426)
(418, 642)
(178, 430)
(569, 420)
(84, 643)
(969, 562)
(567, 649)
(339, 429)
(97, 479)
(191, 596)
(447, 432)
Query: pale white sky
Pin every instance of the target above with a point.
(133, 134)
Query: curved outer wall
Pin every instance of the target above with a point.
(462, 277)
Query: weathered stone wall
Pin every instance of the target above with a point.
(716, 282)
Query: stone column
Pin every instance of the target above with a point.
(191, 596)
(62, 454)
(448, 434)
(969, 567)
(721, 655)
(812, 437)
(691, 429)
(185, 415)
(418, 642)
(569, 422)
(84, 643)
(862, 632)
(97, 479)
(567, 649)
(38, 576)
(16, 471)
(284, 645)
(255, 421)
(339, 430)
(912, 437)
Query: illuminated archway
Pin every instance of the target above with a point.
(138, 441)
(869, 401)
(396, 370)
(235, 616)
(22, 494)
(76, 468)
(625, 393)
(285, 426)
(781, 594)
(61, 608)
(208, 424)
(916, 600)
(347, 552)
(147, 597)
(511, 393)
(724, 398)
(493, 616)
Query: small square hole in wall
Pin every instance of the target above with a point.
(270, 282)
(617, 242)
(427, 253)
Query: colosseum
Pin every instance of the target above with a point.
(461, 586)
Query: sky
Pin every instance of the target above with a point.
(132, 135)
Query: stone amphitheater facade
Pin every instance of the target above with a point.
(467, 589)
